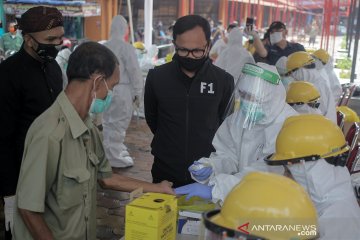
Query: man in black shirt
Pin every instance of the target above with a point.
(185, 101)
(30, 82)
(278, 46)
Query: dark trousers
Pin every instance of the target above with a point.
(178, 178)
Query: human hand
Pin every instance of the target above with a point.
(200, 171)
(166, 187)
(136, 101)
(250, 31)
(195, 189)
(9, 212)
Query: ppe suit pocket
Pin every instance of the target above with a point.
(74, 183)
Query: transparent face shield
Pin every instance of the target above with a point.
(251, 94)
(301, 169)
(214, 231)
(217, 232)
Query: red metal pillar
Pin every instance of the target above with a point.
(191, 6)
(242, 12)
(294, 22)
(277, 15)
(236, 12)
(223, 11)
(322, 40)
(232, 12)
(183, 8)
(335, 21)
(271, 13)
(260, 14)
(329, 13)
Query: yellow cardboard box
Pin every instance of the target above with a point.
(152, 216)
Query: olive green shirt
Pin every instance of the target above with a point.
(63, 158)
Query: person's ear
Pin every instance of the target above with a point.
(208, 46)
(97, 80)
(29, 41)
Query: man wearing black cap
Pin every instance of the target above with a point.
(278, 47)
(30, 82)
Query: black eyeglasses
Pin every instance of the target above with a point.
(310, 66)
(196, 52)
(314, 104)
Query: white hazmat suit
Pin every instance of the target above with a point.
(334, 83)
(327, 102)
(306, 109)
(238, 142)
(117, 118)
(281, 68)
(234, 56)
(328, 186)
(62, 59)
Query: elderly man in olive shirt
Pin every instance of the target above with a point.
(64, 157)
(30, 82)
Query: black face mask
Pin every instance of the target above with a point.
(46, 52)
(190, 64)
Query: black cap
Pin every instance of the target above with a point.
(276, 26)
(39, 19)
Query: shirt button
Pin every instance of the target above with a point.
(86, 218)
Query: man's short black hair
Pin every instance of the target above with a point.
(90, 58)
(267, 34)
(189, 22)
(276, 26)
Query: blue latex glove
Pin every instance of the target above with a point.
(195, 189)
(202, 174)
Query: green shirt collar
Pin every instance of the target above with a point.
(77, 125)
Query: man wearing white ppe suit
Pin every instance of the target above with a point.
(324, 63)
(62, 59)
(311, 150)
(303, 97)
(221, 44)
(248, 134)
(300, 65)
(281, 68)
(117, 118)
(234, 56)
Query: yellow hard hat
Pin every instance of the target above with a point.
(350, 115)
(301, 92)
(139, 45)
(297, 60)
(309, 136)
(322, 55)
(262, 199)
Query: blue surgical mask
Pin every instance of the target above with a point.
(252, 111)
(100, 105)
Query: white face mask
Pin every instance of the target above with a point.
(275, 37)
(306, 109)
(318, 64)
